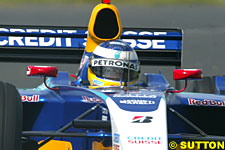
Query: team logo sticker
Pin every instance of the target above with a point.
(116, 138)
(97, 82)
(142, 119)
(144, 140)
(31, 98)
(87, 99)
(115, 63)
(117, 55)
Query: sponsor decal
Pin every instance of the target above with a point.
(36, 41)
(116, 147)
(104, 118)
(32, 98)
(139, 102)
(143, 140)
(205, 102)
(87, 99)
(116, 141)
(142, 119)
(81, 42)
(105, 111)
(115, 63)
(135, 95)
(116, 138)
(117, 55)
(146, 44)
(97, 82)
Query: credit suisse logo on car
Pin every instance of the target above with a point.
(53, 41)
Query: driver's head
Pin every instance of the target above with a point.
(113, 63)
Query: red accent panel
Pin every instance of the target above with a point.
(46, 71)
(137, 117)
(180, 74)
(106, 1)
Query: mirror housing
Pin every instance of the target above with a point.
(45, 71)
(185, 74)
(182, 74)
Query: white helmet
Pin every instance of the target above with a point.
(113, 63)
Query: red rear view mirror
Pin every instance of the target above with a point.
(181, 74)
(185, 74)
(45, 71)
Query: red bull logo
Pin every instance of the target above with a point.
(32, 98)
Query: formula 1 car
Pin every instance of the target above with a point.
(65, 114)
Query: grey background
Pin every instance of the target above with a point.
(203, 27)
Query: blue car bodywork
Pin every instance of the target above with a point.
(54, 109)
(71, 111)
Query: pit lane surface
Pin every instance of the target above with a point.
(203, 44)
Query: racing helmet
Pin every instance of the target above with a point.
(113, 63)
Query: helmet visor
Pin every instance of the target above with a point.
(117, 70)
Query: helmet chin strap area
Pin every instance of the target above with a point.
(128, 74)
(126, 80)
